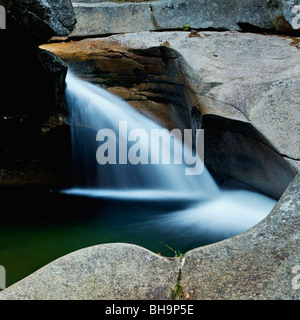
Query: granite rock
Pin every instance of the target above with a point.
(257, 264)
(37, 21)
(114, 271)
(100, 17)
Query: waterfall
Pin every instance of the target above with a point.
(106, 131)
(95, 112)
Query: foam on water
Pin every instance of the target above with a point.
(220, 213)
(229, 214)
(137, 195)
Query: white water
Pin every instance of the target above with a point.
(95, 108)
(136, 194)
(229, 214)
(218, 212)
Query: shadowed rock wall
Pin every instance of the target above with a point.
(34, 147)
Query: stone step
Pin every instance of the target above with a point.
(109, 17)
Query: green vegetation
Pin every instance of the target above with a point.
(186, 27)
(178, 254)
(177, 289)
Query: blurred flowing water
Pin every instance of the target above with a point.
(206, 214)
(145, 204)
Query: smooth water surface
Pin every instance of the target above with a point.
(43, 226)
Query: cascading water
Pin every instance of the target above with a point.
(93, 108)
(218, 214)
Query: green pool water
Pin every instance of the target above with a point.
(38, 227)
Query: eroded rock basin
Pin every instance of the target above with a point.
(241, 96)
(258, 264)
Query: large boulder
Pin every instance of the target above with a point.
(38, 20)
(232, 15)
(108, 17)
(260, 264)
(238, 86)
(102, 272)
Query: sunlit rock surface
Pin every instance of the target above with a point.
(241, 88)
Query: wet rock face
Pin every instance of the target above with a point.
(32, 94)
(34, 136)
(150, 80)
(36, 21)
